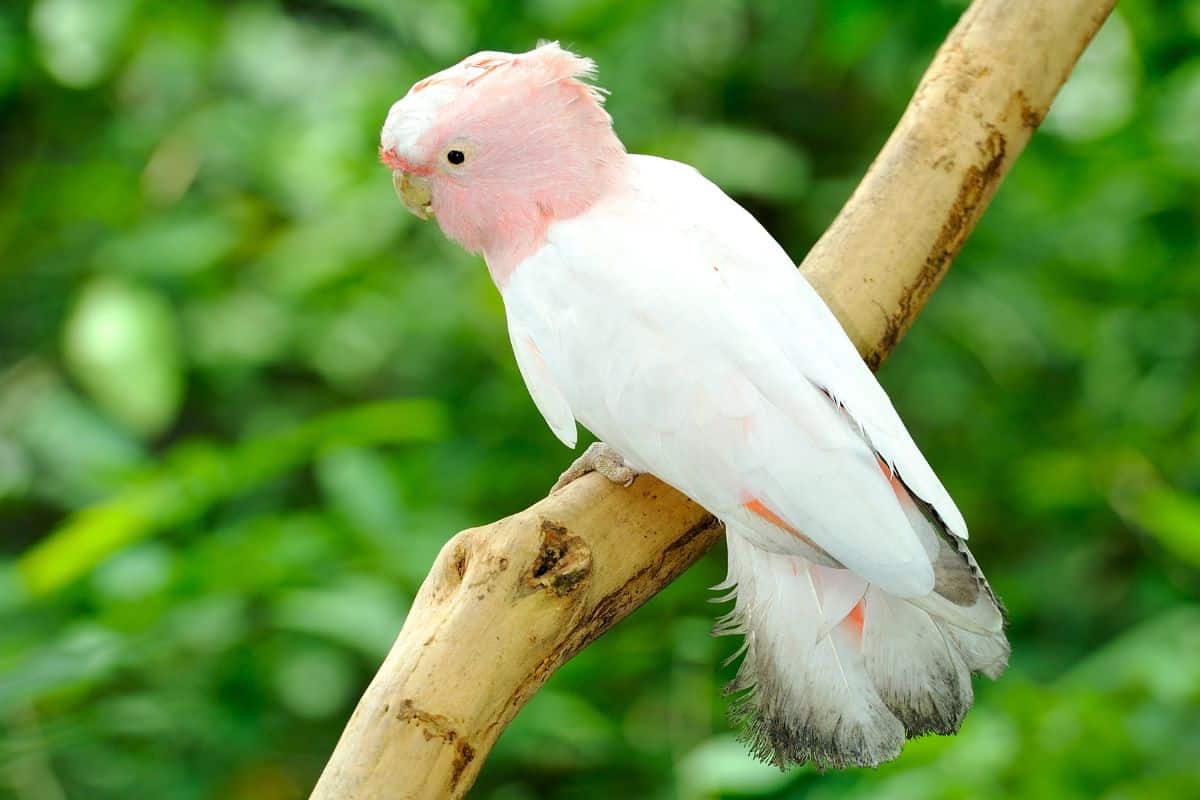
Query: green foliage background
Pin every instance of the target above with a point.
(244, 397)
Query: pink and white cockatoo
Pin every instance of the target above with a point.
(647, 305)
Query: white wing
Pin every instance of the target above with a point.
(680, 332)
(540, 382)
(796, 317)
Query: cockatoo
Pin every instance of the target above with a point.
(647, 305)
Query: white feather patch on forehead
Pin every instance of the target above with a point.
(412, 115)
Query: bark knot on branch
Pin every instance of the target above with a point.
(563, 562)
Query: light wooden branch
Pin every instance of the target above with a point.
(506, 604)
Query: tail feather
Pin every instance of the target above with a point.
(917, 668)
(837, 672)
(821, 707)
(986, 654)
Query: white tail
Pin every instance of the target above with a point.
(838, 672)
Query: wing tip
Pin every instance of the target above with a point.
(568, 435)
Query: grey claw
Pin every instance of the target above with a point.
(601, 458)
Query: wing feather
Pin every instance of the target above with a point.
(761, 274)
(540, 382)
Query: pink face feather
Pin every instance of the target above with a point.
(506, 144)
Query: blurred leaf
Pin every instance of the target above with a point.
(1174, 519)
(197, 476)
(1178, 123)
(210, 624)
(740, 161)
(10, 56)
(544, 738)
(313, 681)
(722, 766)
(361, 487)
(135, 572)
(1170, 516)
(1161, 656)
(77, 657)
(75, 452)
(122, 345)
(1099, 96)
(16, 472)
(361, 613)
(176, 246)
(77, 40)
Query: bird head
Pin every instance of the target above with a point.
(501, 145)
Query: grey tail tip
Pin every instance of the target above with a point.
(785, 745)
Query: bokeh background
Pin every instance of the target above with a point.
(244, 396)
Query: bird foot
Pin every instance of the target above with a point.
(601, 458)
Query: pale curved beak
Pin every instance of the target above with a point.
(414, 192)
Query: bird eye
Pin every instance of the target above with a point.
(456, 157)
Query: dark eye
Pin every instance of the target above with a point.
(456, 157)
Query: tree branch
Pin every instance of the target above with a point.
(508, 603)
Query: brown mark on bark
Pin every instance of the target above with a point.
(432, 725)
(978, 184)
(562, 563)
(460, 561)
(464, 754)
(1030, 117)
